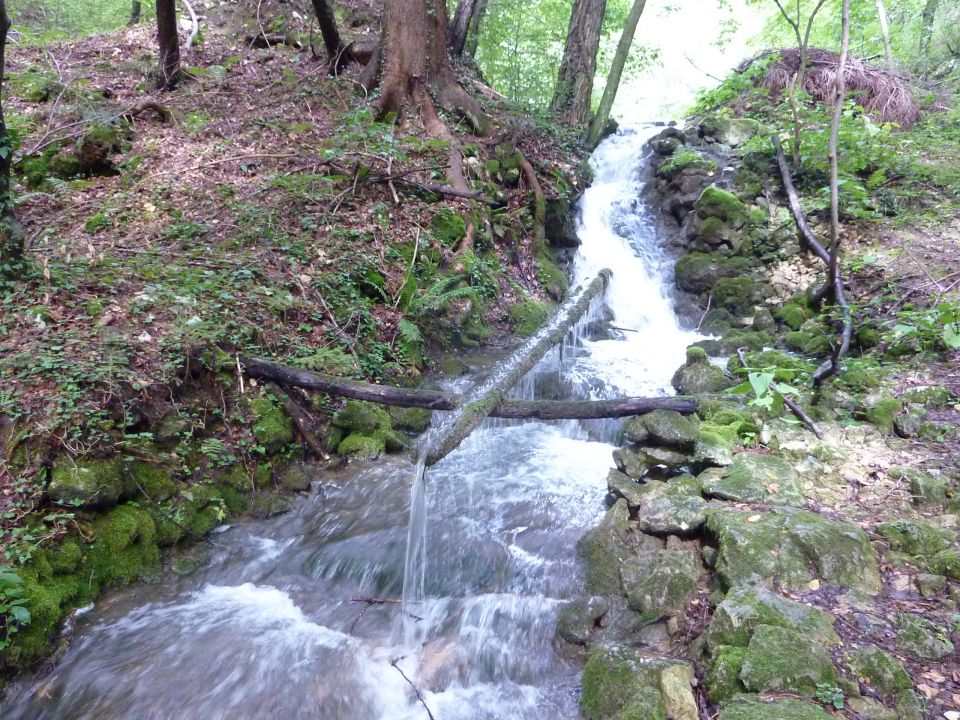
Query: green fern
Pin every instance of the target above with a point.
(409, 342)
(439, 294)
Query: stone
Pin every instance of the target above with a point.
(755, 478)
(630, 462)
(920, 638)
(698, 272)
(750, 707)
(909, 706)
(272, 428)
(654, 455)
(670, 428)
(676, 685)
(870, 709)
(635, 430)
(155, 481)
(672, 507)
(712, 450)
(607, 546)
(265, 505)
(723, 676)
(783, 660)
(916, 537)
(619, 684)
(729, 131)
(746, 607)
(296, 477)
(698, 376)
(880, 669)
(931, 585)
(580, 619)
(89, 483)
(794, 545)
(621, 485)
(171, 427)
(659, 582)
(926, 491)
(361, 417)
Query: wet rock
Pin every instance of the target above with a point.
(619, 684)
(621, 485)
(670, 428)
(698, 376)
(920, 638)
(608, 545)
(634, 430)
(560, 222)
(672, 507)
(686, 160)
(655, 455)
(659, 582)
(794, 545)
(746, 607)
(296, 477)
(265, 505)
(750, 707)
(883, 671)
(96, 483)
(579, 620)
(631, 462)
(783, 660)
(676, 683)
(754, 478)
(698, 272)
(916, 537)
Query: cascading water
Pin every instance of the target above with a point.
(271, 627)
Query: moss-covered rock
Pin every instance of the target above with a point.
(722, 204)
(754, 478)
(631, 462)
(922, 639)
(698, 376)
(747, 607)
(580, 619)
(672, 507)
(266, 505)
(414, 420)
(698, 272)
(621, 485)
(360, 417)
(946, 562)
(363, 447)
(155, 481)
(793, 315)
(605, 548)
(296, 477)
(89, 483)
(528, 316)
(723, 674)
(670, 428)
(659, 582)
(676, 688)
(684, 159)
(619, 684)
(881, 410)
(779, 659)
(750, 707)
(125, 547)
(740, 295)
(732, 131)
(272, 428)
(880, 670)
(916, 537)
(712, 450)
(448, 227)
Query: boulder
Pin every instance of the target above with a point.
(670, 428)
(94, 483)
(621, 485)
(754, 478)
(698, 272)
(697, 376)
(619, 684)
(779, 659)
(883, 671)
(672, 507)
(659, 582)
(723, 675)
(676, 686)
(916, 537)
(750, 707)
(580, 619)
(922, 639)
(608, 545)
(732, 131)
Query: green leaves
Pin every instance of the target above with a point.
(13, 613)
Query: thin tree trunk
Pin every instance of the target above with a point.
(926, 31)
(337, 53)
(885, 32)
(169, 45)
(574, 89)
(473, 33)
(460, 26)
(11, 233)
(616, 70)
(135, 9)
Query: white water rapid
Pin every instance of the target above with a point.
(274, 626)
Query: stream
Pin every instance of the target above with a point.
(270, 627)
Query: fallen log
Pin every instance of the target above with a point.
(439, 400)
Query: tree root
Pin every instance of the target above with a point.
(539, 202)
(149, 104)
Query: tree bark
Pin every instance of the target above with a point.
(926, 31)
(338, 54)
(135, 9)
(616, 71)
(169, 45)
(439, 400)
(885, 32)
(473, 33)
(457, 34)
(572, 95)
(416, 69)
(11, 233)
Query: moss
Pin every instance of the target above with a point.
(90, 483)
(715, 202)
(883, 671)
(156, 482)
(448, 227)
(620, 685)
(659, 582)
(684, 159)
(696, 355)
(604, 548)
(755, 478)
(236, 502)
(552, 279)
(48, 599)
(361, 417)
(916, 537)
(920, 638)
(780, 659)
(717, 322)
(946, 562)
(527, 316)
(808, 343)
(723, 677)
(751, 707)
(271, 427)
(882, 411)
(235, 477)
(414, 420)
(363, 446)
(792, 315)
(740, 295)
(125, 546)
(697, 272)
(64, 557)
(266, 505)
(785, 367)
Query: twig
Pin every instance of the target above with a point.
(416, 690)
(704, 316)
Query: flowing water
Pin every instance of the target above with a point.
(275, 627)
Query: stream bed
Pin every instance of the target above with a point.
(276, 625)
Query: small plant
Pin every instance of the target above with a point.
(13, 613)
(830, 694)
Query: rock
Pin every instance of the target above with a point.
(931, 585)
(296, 477)
(750, 707)
(155, 481)
(272, 428)
(946, 562)
(740, 295)
(908, 706)
(88, 483)
(362, 447)
(621, 485)
(723, 676)
(883, 671)
(925, 490)
(631, 462)
(619, 684)
(170, 428)
(711, 451)
(922, 639)
(670, 428)
(580, 619)
(676, 684)
(746, 607)
(916, 537)
(698, 272)
(634, 430)
(870, 709)
(729, 131)
(561, 222)
(659, 582)
(672, 507)
(654, 456)
(607, 546)
(698, 376)
(794, 545)
(362, 417)
(414, 420)
(881, 410)
(265, 505)
(783, 660)
(754, 478)
(686, 160)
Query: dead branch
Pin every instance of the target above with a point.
(301, 419)
(807, 421)
(416, 690)
(149, 104)
(794, 198)
(194, 23)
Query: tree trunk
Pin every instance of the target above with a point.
(416, 69)
(457, 35)
(885, 32)
(337, 53)
(169, 45)
(11, 234)
(135, 9)
(473, 33)
(616, 70)
(571, 97)
(926, 31)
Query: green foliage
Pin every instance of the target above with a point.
(733, 88)
(928, 329)
(13, 613)
(59, 19)
(830, 694)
